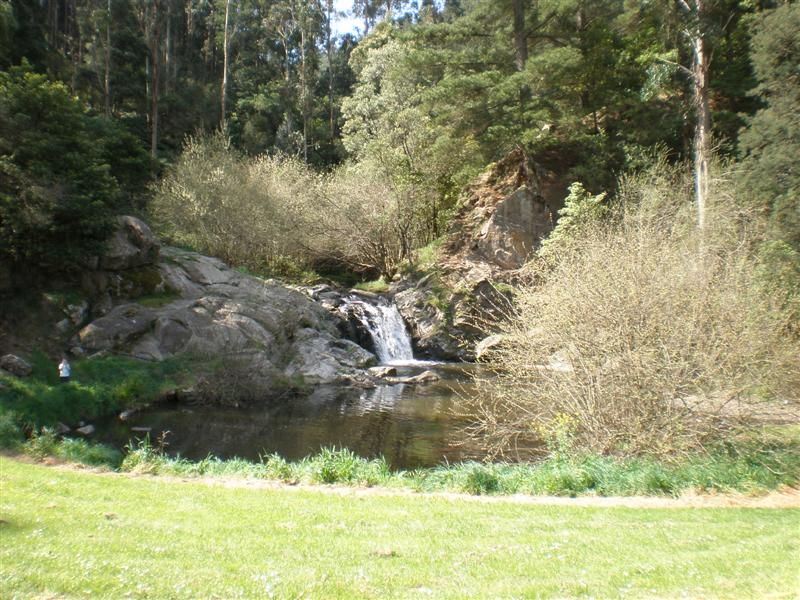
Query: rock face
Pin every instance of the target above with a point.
(15, 365)
(502, 220)
(270, 335)
(132, 245)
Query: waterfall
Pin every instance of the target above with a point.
(386, 327)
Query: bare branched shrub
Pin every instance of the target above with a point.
(240, 209)
(367, 222)
(646, 336)
(264, 212)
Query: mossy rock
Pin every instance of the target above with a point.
(143, 281)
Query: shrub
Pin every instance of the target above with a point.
(276, 467)
(81, 451)
(62, 172)
(243, 210)
(480, 479)
(332, 465)
(11, 435)
(273, 215)
(650, 336)
(42, 443)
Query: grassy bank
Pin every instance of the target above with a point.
(76, 534)
(753, 463)
(99, 387)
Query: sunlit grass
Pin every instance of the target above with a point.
(76, 534)
(377, 286)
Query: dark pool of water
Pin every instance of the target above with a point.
(410, 425)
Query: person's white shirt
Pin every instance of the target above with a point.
(64, 370)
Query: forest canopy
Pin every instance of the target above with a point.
(418, 99)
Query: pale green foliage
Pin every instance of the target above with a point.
(581, 210)
(274, 214)
(364, 221)
(240, 209)
(388, 126)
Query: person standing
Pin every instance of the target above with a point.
(64, 370)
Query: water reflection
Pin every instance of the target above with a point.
(411, 425)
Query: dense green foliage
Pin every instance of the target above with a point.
(772, 141)
(283, 148)
(64, 173)
(422, 101)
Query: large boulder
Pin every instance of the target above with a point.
(126, 269)
(267, 334)
(15, 365)
(501, 221)
(515, 229)
(430, 326)
(132, 245)
(320, 358)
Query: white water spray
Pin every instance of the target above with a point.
(388, 331)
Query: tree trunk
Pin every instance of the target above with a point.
(224, 91)
(156, 75)
(287, 86)
(303, 93)
(702, 134)
(107, 74)
(168, 58)
(520, 37)
(330, 70)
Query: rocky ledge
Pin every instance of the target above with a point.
(155, 303)
(502, 218)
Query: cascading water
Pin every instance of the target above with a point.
(387, 329)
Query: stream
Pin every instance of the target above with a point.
(412, 426)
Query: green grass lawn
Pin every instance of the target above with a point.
(73, 534)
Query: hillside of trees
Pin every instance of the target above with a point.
(98, 100)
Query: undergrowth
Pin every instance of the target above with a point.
(753, 462)
(99, 387)
(640, 332)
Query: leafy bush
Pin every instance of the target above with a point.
(58, 192)
(581, 211)
(480, 479)
(11, 435)
(276, 467)
(42, 443)
(273, 215)
(83, 452)
(217, 201)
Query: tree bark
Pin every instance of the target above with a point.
(154, 97)
(520, 37)
(224, 91)
(107, 74)
(329, 46)
(702, 135)
(700, 89)
(303, 88)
